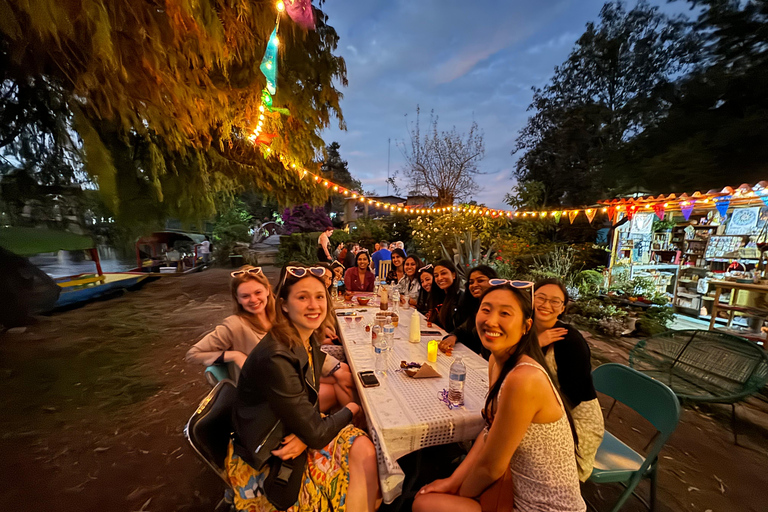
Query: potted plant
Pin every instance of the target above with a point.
(663, 226)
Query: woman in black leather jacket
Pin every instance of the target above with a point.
(318, 462)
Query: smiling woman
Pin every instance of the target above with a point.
(254, 314)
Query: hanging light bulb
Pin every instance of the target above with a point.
(280, 6)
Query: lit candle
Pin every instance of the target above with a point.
(432, 351)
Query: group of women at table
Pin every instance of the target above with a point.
(295, 448)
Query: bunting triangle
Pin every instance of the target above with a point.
(611, 212)
(722, 203)
(631, 210)
(590, 214)
(686, 207)
(572, 215)
(659, 210)
(557, 215)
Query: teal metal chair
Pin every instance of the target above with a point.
(216, 373)
(654, 401)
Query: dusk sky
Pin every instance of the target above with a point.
(464, 60)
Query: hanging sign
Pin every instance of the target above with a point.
(659, 210)
(572, 215)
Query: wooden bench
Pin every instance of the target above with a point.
(703, 366)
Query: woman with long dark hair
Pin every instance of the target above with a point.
(360, 278)
(528, 437)
(426, 279)
(477, 283)
(568, 357)
(397, 272)
(409, 285)
(445, 296)
(317, 462)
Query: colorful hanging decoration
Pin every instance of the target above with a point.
(590, 213)
(301, 13)
(611, 212)
(269, 63)
(557, 214)
(572, 215)
(659, 209)
(722, 203)
(631, 210)
(686, 207)
(762, 194)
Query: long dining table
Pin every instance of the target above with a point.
(406, 414)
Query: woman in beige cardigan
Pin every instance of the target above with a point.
(238, 334)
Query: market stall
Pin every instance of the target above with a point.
(697, 249)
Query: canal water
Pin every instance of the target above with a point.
(68, 263)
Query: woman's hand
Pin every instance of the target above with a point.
(352, 406)
(447, 344)
(552, 335)
(291, 448)
(236, 357)
(330, 336)
(443, 486)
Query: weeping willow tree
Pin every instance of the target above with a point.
(155, 99)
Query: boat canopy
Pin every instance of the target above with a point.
(169, 237)
(31, 241)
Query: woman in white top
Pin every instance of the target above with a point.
(528, 438)
(409, 284)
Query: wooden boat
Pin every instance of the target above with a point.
(72, 289)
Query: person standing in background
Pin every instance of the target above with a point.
(349, 259)
(382, 254)
(324, 246)
(205, 250)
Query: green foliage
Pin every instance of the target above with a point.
(301, 247)
(469, 253)
(337, 170)
(557, 263)
(615, 83)
(231, 226)
(163, 101)
(661, 225)
(431, 234)
(588, 282)
(367, 232)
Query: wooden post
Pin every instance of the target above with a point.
(96, 260)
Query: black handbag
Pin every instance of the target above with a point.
(283, 482)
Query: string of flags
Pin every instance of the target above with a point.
(301, 13)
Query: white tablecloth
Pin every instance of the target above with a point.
(405, 414)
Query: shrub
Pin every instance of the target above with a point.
(305, 219)
(231, 226)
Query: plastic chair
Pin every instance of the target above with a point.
(654, 401)
(384, 267)
(210, 429)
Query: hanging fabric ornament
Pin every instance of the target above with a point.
(686, 207)
(631, 210)
(762, 194)
(557, 215)
(659, 210)
(269, 63)
(301, 13)
(265, 138)
(572, 215)
(266, 99)
(722, 203)
(611, 213)
(590, 214)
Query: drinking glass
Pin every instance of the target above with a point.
(349, 320)
(358, 321)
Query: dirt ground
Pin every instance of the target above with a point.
(94, 401)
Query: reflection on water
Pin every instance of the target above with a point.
(68, 263)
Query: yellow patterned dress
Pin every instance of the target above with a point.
(326, 478)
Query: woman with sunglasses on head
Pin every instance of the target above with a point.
(445, 296)
(568, 357)
(528, 437)
(360, 278)
(254, 315)
(396, 273)
(426, 279)
(319, 462)
(477, 283)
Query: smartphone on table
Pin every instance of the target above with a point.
(368, 378)
(430, 333)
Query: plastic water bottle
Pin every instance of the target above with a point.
(381, 348)
(458, 374)
(395, 298)
(335, 290)
(389, 333)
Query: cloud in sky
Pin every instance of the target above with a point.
(464, 60)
